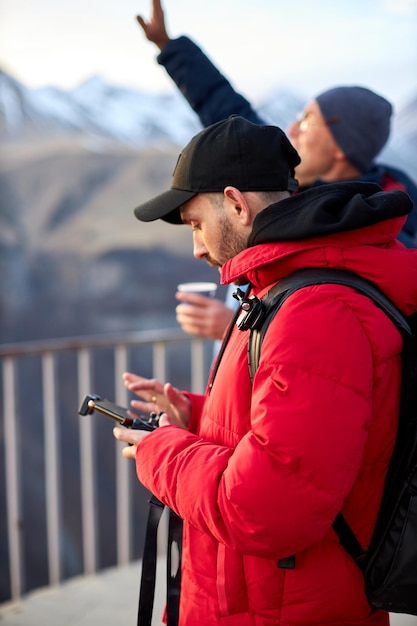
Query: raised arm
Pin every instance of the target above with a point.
(207, 91)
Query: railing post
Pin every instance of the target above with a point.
(88, 474)
(159, 372)
(159, 361)
(52, 468)
(13, 485)
(123, 468)
(198, 382)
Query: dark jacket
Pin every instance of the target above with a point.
(264, 469)
(213, 98)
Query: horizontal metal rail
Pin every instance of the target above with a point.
(94, 341)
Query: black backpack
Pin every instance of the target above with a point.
(389, 566)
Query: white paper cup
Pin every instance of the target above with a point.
(205, 289)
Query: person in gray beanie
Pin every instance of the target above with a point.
(362, 121)
(338, 136)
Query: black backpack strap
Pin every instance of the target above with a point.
(149, 561)
(348, 539)
(148, 578)
(174, 550)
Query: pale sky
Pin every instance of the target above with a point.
(259, 44)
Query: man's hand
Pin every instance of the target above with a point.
(158, 397)
(134, 437)
(155, 29)
(202, 316)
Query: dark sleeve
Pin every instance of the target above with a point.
(408, 235)
(207, 91)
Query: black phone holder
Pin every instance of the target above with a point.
(92, 402)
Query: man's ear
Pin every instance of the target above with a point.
(236, 204)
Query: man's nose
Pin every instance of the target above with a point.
(293, 129)
(199, 249)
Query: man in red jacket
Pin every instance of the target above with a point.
(338, 136)
(258, 472)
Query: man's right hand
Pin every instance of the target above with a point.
(155, 29)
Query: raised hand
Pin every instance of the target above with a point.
(154, 28)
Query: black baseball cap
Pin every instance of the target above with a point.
(235, 152)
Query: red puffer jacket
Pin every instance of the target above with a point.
(266, 469)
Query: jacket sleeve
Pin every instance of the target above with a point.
(393, 179)
(279, 490)
(207, 91)
(397, 179)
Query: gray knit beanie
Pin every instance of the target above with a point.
(359, 121)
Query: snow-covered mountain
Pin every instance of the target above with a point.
(95, 108)
(123, 114)
(119, 114)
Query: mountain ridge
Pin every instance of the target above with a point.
(94, 108)
(106, 113)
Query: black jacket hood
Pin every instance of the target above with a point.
(328, 209)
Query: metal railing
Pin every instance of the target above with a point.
(193, 364)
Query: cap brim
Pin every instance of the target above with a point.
(165, 206)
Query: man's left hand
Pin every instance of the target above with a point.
(134, 436)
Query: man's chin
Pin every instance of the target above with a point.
(304, 178)
(214, 264)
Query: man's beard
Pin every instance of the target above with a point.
(230, 244)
